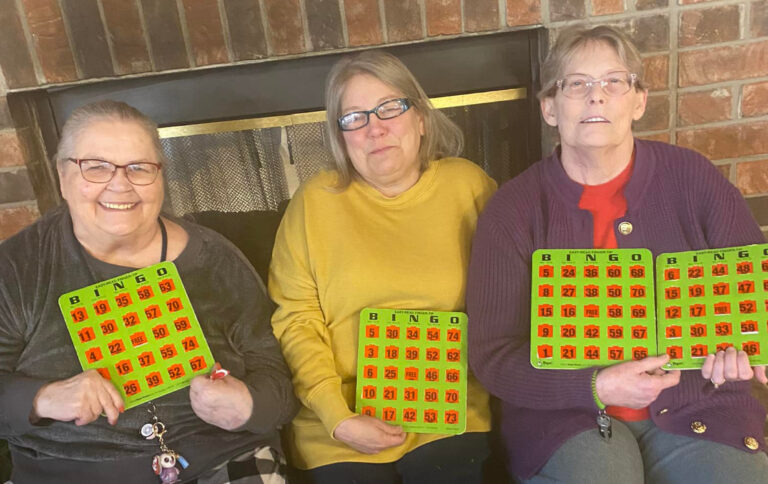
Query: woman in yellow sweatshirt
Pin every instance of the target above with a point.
(389, 227)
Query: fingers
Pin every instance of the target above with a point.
(744, 368)
(669, 379)
(760, 374)
(651, 363)
(708, 367)
(730, 365)
(395, 430)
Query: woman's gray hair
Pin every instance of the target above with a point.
(442, 138)
(106, 110)
(573, 39)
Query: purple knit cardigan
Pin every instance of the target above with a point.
(676, 201)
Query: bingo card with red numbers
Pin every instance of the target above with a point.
(711, 299)
(591, 307)
(138, 330)
(412, 369)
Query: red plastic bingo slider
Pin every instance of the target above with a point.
(218, 372)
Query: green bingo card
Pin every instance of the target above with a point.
(711, 299)
(591, 307)
(412, 369)
(139, 331)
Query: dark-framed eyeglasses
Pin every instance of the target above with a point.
(576, 86)
(386, 110)
(102, 171)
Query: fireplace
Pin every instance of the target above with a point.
(241, 138)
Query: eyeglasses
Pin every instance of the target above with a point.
(102, 171)
(576, 86)
(386, 110)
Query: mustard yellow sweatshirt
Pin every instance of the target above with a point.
(337, 253)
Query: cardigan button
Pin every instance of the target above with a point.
(698, 427)
(663, 411)
(625, 228)
(751, 443)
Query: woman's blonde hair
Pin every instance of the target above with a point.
(573, 39)
(106, 110)
(441, 138)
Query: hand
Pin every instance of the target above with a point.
(731, 365)
(81, 398)
(224, 402)
(635, 384)
(368, 435)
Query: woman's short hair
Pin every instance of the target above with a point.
(106, 110)
(573, 39)
(441, 138)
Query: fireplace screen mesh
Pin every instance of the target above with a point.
(240, 171)
(258, 169)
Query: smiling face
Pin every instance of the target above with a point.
(597, 121)
(102, 212)
(385, 153)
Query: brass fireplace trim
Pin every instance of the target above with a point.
(319, 116)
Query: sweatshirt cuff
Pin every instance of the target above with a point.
(331, 407)
(265, 413)
(17, 395)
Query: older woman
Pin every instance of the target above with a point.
(66, 425)
(602, 188)
(389, 227)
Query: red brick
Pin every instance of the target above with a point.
(704, 107)
(735, 62)
(725, 170)
(443, 17)
(15, 60)
(324, 22)
(206, 34)
(690, 2)
(650, 34)
(128, 44)
(650, 4)
(403, 18)
(363, 22)
(11, 153)
(161, 19)
(560, 10)
(12, 220)
(89, 40)
(754, 99)
(663, 137)
(481, 15)
(656, 72)
(709, 25)
(50, 39)
(523, 12)
(246, 30)
(5, 115)
(286, 29)
(752, 177)
(656, 115)
(759, 16)
(727, 141)
(15, 186)
(606, 7)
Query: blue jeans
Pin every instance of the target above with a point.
(640, 452)
(458, 459)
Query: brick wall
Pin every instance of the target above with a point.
(706, 61)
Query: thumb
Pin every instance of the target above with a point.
(651, 363)
(394, 430)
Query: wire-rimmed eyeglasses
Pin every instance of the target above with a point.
(102, 171)
(576, 86)
(386, 110)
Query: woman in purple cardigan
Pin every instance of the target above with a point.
(602, 188)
